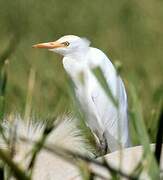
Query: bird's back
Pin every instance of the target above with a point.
(114, 118)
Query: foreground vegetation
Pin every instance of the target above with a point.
(34, 82)
(10, 168)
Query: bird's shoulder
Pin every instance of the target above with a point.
(98, 57)
(97, 54)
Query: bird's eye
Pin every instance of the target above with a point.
(66, 43)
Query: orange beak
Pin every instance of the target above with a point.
(49, 45)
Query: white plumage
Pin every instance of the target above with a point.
(109, 124)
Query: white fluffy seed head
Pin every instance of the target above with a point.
(47, 165)
(66, 134)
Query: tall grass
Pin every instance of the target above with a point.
(126, 31)
(136, 121)
(129, 31)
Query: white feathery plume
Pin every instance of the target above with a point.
(47, 165)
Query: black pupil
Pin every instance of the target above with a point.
(66, 43)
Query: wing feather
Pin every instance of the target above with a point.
(115, 120)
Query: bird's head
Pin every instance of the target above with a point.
(67, 45)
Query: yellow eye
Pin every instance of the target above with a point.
(66, 43)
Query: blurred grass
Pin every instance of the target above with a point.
(127, 31)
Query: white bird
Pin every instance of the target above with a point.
(109, 124)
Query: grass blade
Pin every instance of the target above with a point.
(18, 173)
(159, 138)
(100, 77)
(28, 106)
(138, 123)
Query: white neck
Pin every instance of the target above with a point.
(79, 55)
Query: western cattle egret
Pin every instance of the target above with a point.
(109, 124)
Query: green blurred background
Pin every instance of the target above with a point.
(129, 31)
